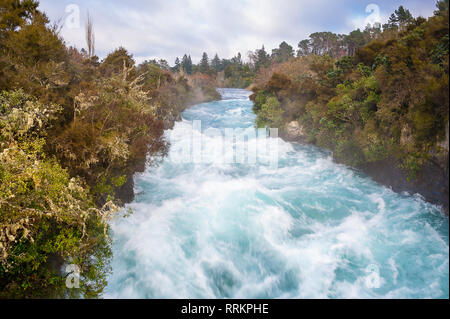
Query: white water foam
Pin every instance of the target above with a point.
(307, 229)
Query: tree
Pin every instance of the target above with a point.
(372, 32)
(237, 60)
(47, 218)
(33, 56)
(15, 13)
(283, 53)
(304, 48)
(323, 43)
(271, 114)
(441, 6)
(400, 19)
(90, 37)
(163, 64)
(72, 132)
(262, 58)
(115, 61)
(186, 64)
(354, 40)
(177, 66)
(204, 63)
(215, 64)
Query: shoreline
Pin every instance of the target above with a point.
(126, 193)
(434, 190)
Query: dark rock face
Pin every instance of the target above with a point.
(431, 182)
(126, 193)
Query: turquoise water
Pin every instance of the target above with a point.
(309, 228)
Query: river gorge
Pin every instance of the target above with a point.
(305, 228)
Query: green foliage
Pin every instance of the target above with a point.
(412, 163)
(442, 7)
(388, 99)
(259, 98)
(440, 51)
(337, 45)
(15, 13)
(204, 63)
(260, 58)
(271, 114)
(116, 61)
(368, 54)
(283, 53)
(73, 130)
(365, 70)
(382, 60)
(32, 56)
(186, 64)
(400, 18)
(48, 219)
(101, 143)
(345, 64)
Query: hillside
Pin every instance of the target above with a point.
(73, 131)
(383, 109)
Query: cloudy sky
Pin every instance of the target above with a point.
(169, 28)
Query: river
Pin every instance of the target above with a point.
(303, 228)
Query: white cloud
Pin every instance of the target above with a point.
(167, 29)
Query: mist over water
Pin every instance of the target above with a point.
(308, 229)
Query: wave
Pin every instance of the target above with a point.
(309, 228)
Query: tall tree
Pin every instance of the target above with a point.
(186, 64)
(90, 37)
(204, 63)
(215, 64)
(163, 64)
(441, 6)
(15, 13)
(177, 66)
(323, 43)
(400, 18)
(116, 61)
(262, 59)
(304, 48)
(189, 64)
(283, 53)
(354, 40)
(237, 60)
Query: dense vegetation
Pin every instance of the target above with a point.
(73, 130)
(386, 100)
(220, 72)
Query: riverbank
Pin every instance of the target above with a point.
(125, 194)
(431, 182)
(72, 136)
(308, 228)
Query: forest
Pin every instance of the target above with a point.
(74, 130)
(237, 73)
